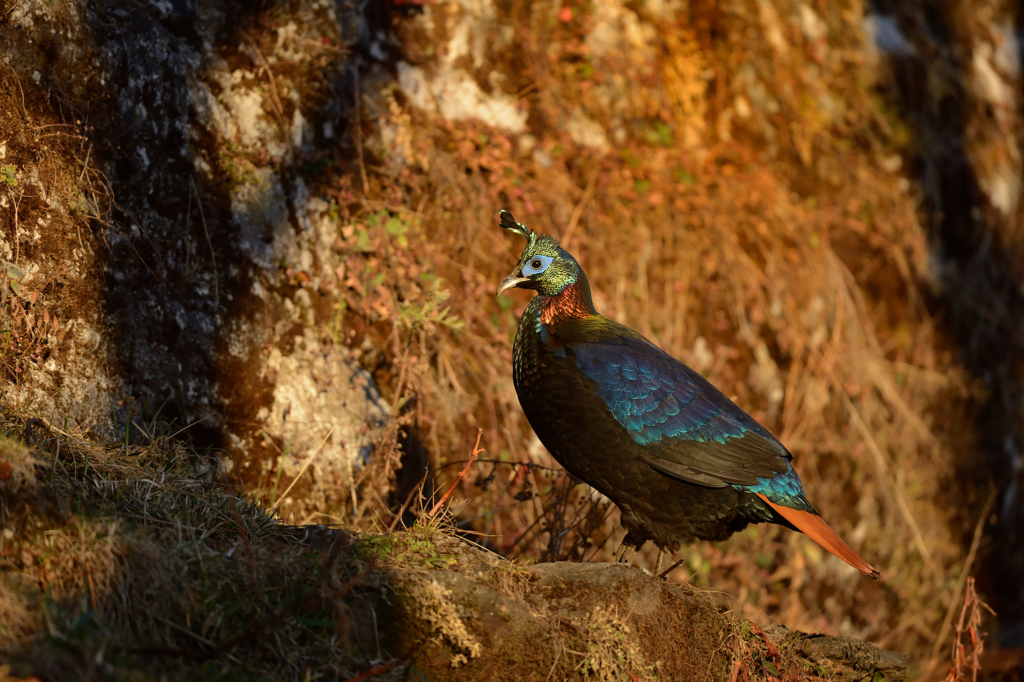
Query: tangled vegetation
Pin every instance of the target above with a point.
(749, 210)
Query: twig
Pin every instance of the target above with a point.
(671, 568)
(472, 456)
(12, 8)
(527, 90)
(876, 452)
(736, 671)
(270, 78)
(578, 211)
(372, 672)
(17, 240)
(959, 652)
(480, 460)
(184, 630)
(408, 499)
(964, 572)
(188, 229)
(326, 46)
(122, 235)
(301, 471)
(85, 164)
(213, 256)
(358, 116)
(186, 428)
(772, 650)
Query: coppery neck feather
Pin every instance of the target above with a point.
(573, 303)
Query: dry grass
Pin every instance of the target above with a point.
(776, 256)
(794, 275)
(143, 563)
(129, 562)
(967, 655)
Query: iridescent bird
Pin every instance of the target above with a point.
(681, 460)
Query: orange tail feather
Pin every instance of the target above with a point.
(815, 528)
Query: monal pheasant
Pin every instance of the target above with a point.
(681, 460)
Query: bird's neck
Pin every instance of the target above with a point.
(573, 303)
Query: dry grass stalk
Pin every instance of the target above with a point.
(154, 542)
(472, 456)
(305, 466)
(967, 656)
(965, 577)
(271, 81)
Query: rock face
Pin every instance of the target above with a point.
(608, 620)
(179, 591)
(170, 235)
(170, 253)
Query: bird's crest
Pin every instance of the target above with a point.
(510, 224)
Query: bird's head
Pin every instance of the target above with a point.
(545, 266)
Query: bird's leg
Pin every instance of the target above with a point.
(628, 547)
(624, 554)
(663, 561)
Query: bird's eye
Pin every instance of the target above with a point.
(537, 265)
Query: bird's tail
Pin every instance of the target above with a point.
(815, 527)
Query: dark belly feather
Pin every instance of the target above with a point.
(575, 424)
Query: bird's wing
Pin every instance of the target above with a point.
(682, 425)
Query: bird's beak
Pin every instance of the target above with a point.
(509, 282)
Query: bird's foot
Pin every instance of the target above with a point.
(664, 568)
(624, 554)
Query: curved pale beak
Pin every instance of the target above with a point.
(510, 282)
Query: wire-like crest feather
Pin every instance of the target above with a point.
(510, 224)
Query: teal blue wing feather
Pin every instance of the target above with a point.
(682, 425)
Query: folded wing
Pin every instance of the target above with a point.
(682, 425)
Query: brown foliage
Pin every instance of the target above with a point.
(792, 271)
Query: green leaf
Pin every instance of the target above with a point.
(13, 271)
(363, 241)
(685, 177)
(7, 175)
(661, 135)
(397, 228)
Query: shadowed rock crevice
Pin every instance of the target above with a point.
(210, 129)
(955, 81)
